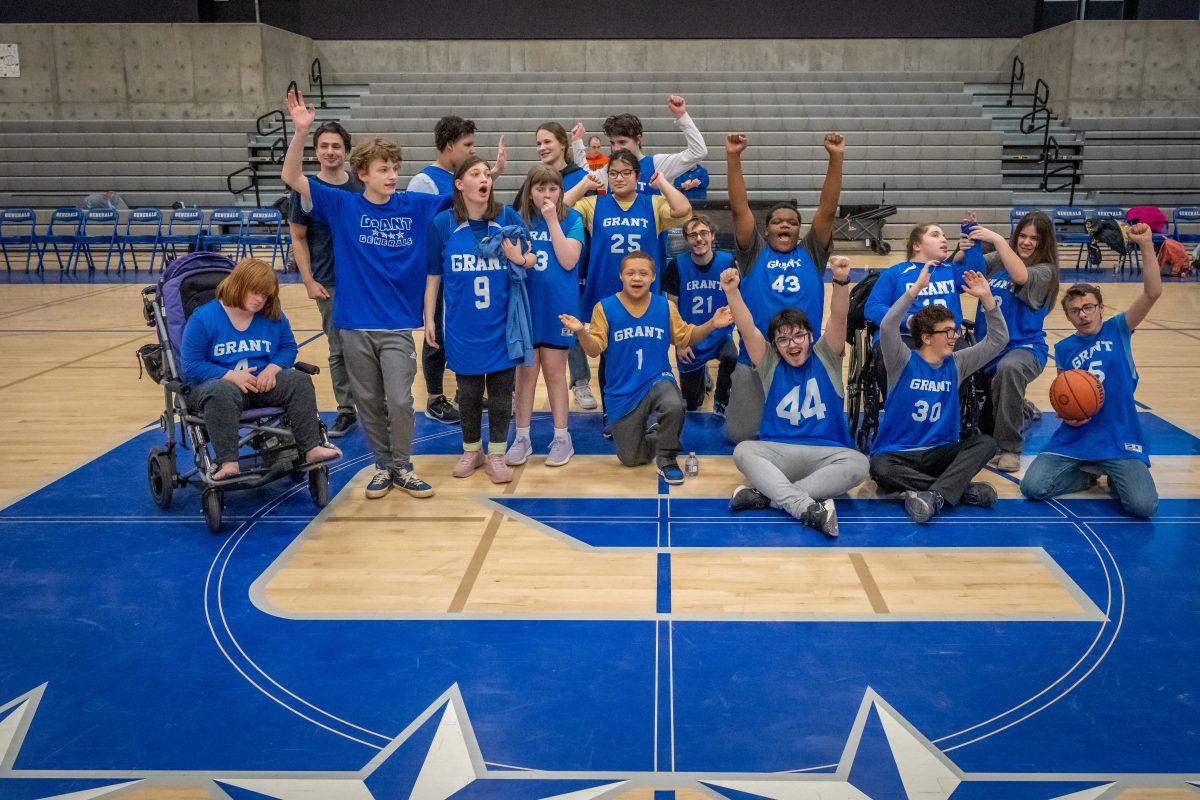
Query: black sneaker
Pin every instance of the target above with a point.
(921, 506)
(979, 494)
(747, 498)
(606, 431)
(342, 425)
(823, 517)
(442, 410)
(671, 472)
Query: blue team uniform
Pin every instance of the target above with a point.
(637, 353)
(782, 280)
(614, 234)
(212, 346)
(945, 285)
(443, 179)
(1026, 326)
(700, 295)
(803, 407)
(552, 289)
(922, 410)
(475, 292)
(1115, 431)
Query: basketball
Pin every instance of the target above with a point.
(1076, 395)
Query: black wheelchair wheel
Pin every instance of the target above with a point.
(883, 248)
(160, 473)
(214, 505)
(318, 486)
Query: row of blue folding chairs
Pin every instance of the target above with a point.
(1068, 226)
(89, 234)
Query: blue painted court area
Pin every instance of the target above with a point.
(132, 652)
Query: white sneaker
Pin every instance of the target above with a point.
(519, 453)
(584, 397)
(561, 450)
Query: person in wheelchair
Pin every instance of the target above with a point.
(926, 245)
(920, 449)
(1023, 273)
(237, 354)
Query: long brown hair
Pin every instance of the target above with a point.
(1046, 251)
(252, 275)
(460, 207)
(539, 175)
(560, 134)
(914, 238)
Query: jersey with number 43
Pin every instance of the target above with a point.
(922, 410)
(1115, 431)
(616, 233)
(782, 280)
(803, 406)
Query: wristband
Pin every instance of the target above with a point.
(836, 282)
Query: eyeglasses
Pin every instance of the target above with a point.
(698, 234)
(621, 173)
(1086, 308)
(795, 338)
(951, 333)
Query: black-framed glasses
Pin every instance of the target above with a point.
(700, 234)
(621, 173)
(795, 338)
(1086, 308)
(950, 333)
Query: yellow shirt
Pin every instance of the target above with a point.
(663, 221)
(681, 332)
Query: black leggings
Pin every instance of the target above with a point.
(500, 387)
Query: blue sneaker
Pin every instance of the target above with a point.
(671, 472)
(404, 478)
(379, 485)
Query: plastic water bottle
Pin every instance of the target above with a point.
(691, 467)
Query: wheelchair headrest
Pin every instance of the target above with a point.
(187, 283)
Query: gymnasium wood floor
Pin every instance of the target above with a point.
(69, 393)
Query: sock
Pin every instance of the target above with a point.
(522, 433)
(561, 433)
(496, 448)
(471, 447)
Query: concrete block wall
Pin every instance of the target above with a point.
(150, 71)
(1117, 69)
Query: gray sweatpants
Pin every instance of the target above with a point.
(221, 403)
(337, 362)
(381, 366)
(743, 415)
(794, 476)
(1015, 370)
(634, 447)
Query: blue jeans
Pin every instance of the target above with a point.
(1129, 481)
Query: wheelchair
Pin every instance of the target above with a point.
(268, 449)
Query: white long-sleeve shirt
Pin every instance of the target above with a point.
(669, 165)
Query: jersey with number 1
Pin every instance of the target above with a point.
(782, 280)
(637, 354)
(803, 406)
(1115, 431)
(700, 295)
(922, 411)
(615, 233)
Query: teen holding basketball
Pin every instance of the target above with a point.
(1111, 442)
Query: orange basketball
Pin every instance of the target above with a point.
(1076, 395)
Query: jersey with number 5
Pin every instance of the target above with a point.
(803, 406)
(1115, 431)
(615, 233)
(922, 410)
(782, 280)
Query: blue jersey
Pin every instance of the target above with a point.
(803, 406)
(1115, 431)
(637, 354)
(380, 251)
(945, 285)
(922, 411)
(571, 175)
(700, 295)
(782, 280)
(1026, 326)
(552, 289)
(614, 234)
(212, 346)
(442, 179)
(474, 292)
(646, 166)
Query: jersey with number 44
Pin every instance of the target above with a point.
(782, 280)
(803, 407)
(1115, 431)
(922, 411)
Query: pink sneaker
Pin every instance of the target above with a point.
(468, 462)
(496, 469)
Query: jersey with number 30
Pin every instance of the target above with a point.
(782, 280)
(922, 411)
(1115, 431)
(804, 407)
(614, 234)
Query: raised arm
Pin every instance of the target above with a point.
(591, 182)
(839, 305)
(831, 190)
(982, 353)
(752, 339)
(1012, 262)
(1151, 278)
(293, 161)
(578, 148)
(895, 352)
(739, 202)
(681, 207)
(675, 164)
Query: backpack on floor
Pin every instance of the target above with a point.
(1173, 260)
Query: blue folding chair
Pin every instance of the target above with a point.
(184, 227)
(1015, 214)
(1066, 217)
(61, 219)
(225, 228)
(98, 228)
(1188, 215)
(270, 220)
(143, 219)
(12, 220)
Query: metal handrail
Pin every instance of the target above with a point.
(1017, 76)
(251, 184)
(314, 76)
